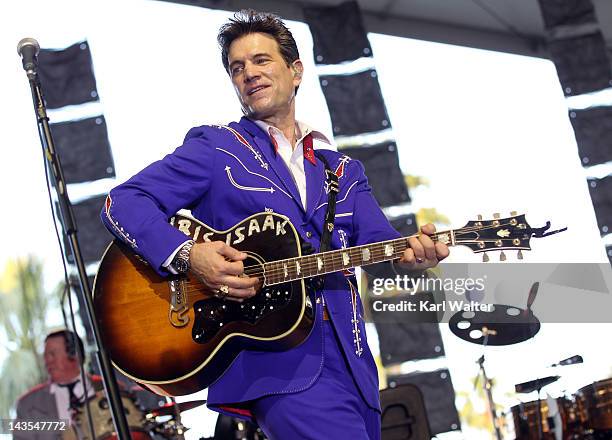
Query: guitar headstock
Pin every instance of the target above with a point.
(497, 234)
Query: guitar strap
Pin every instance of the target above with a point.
(332, 187)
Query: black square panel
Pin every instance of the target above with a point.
(601, 194)
(384, 174)
(402, 342)
(93, 236)
(439, 394)
(405, 224)
(338, 33)
(355, 103)
(84, 149)
(582, 63)
(593, 129)
(67, 75)
(566, 12)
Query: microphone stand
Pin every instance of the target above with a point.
(487, 385)
(540, 419)
(70, 229)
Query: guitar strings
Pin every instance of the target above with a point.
(329, 256)
(332, 258)
(272, 272)
(281, 271)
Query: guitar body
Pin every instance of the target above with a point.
(172, 335)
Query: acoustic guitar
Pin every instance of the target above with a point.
(173, 336)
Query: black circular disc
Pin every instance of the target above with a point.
(504, 324)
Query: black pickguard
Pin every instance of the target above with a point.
(264, 244)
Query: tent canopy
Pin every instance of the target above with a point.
(513, 26)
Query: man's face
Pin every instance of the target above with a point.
(60, 367)
(263, 82)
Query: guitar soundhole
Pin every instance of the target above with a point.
(211, 315)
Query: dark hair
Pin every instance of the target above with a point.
(249, 21)
(71, 339)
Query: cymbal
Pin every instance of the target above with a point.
(536, 384)
(504, 325)
(170, 408)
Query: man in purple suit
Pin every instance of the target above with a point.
(326, 387)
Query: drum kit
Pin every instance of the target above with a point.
(162, 422)
(586, 414)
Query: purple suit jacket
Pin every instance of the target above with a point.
(224, 174)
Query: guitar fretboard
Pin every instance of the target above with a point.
(297, 268)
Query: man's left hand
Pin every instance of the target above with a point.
(422, 252)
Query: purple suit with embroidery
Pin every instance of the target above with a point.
(224, 174)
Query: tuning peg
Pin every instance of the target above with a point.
(479, 216)
(502, 256)
(485, 257)
(513, 213)
(519, 255)
(496, 215)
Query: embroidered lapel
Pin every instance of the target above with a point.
(262, 140)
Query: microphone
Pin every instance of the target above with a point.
(28, 49)
(576, 359)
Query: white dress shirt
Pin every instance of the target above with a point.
(294, 157)
(62, 396)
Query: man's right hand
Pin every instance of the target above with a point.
(218, 264)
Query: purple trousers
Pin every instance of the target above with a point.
(331, 408)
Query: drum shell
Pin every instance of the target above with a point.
(595, 405)
(103, 421)
(526, 422)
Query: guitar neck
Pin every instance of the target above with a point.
(297, 268)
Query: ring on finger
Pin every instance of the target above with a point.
(223, 290)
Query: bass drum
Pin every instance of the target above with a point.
(595, 405)
(525, 418)
(103, 420)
